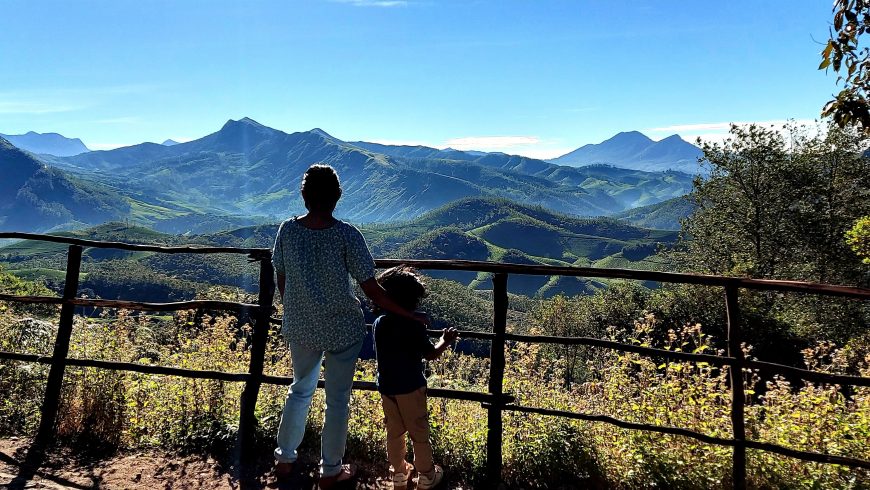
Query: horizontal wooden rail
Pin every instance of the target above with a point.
(838, 379)
(442, 393)
(463, 334)
(721, 441)
(640, 275)
(465, 395)
(494, 401)
(610, 344)
(130, 366)
(470, 334)
(134, 305)
(191, 249)
(494, 267)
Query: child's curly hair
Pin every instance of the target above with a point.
(404, 285)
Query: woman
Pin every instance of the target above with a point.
(315, 256)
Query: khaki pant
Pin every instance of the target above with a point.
(407, 414)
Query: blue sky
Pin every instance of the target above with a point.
(537, 78)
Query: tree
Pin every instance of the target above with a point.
(777, 207)
(842, 53)
(738, 225)
(587, 316)
(859, 239)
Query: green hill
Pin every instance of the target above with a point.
(501, 230)
(665, 215)
(468, 229)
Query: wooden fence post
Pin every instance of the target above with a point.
(248, 402)
(738, 397)
(51, 401)
(496, 380)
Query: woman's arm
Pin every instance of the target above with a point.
(281, 278)
(377, 294)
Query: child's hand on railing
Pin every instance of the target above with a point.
(450, 335)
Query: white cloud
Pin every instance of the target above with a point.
(719, 126)
(491, 143)
(717, 132)
(401, 142)
(527, 146)
(544, 153)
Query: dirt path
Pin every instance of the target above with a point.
(63, 469)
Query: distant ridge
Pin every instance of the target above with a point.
(636, 151)
(47, 143)
(37, 197)
(248, 169)
(169, 142)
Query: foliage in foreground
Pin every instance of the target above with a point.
(115, 409)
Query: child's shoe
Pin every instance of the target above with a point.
(427, 483)
(400, 479)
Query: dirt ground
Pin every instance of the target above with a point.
(63, 469)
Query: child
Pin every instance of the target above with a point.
(400, 346)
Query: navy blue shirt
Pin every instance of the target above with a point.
(400, 346)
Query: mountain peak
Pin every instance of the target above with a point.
(629, 137)
(47, 143)
(635, 150)
(169, 142)
(248, 120)
(673, 137)
(321, 132)
(243, 122)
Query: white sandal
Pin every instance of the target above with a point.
(400, 480)
(426, 483)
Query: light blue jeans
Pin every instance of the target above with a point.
(339, 371)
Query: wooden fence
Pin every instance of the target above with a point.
(496, 402)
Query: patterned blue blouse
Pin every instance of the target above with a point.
(320, 309)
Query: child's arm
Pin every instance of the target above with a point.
(448, 337)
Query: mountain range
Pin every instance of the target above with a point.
(636, 151)
(47, 143)
(248, 169)
(247, 173)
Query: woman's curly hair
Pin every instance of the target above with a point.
(321, 189)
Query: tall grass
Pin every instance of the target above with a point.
(110, 409)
